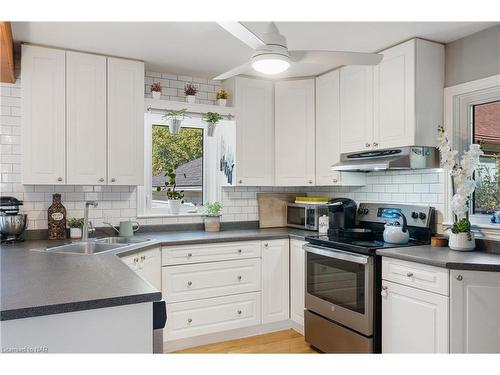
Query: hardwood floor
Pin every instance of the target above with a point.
(287, 341)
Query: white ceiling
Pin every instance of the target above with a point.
(204, 49)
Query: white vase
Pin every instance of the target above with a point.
(174, 206)
(212, 223)
(175, 125)
(191, 99)
(221, 102)
(462, 241)
(156, 95)
(75, 233)
(211, 128)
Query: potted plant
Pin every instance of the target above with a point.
(155, 89)
(175, 119)
(212, 218)
(174, 197)
(75, 227)
(221, 97)
(190, 91)
(463, 185)
(211, 118)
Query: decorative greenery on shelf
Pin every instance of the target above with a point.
(190, 89)
(221, 94)
(175, 115)
(213, 208)
(462, 226)
(155, 87)
(171, 186)
(212, 117)
(75, 222)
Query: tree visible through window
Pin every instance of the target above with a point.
(486, 131)
(182, 152)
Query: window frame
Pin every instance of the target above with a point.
(459, 101)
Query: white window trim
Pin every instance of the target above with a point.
(144, 194)
(458, 101)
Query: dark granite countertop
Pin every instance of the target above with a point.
(446, 258)
(35, 283)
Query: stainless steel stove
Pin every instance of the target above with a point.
(343, 275)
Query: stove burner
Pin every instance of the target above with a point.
(373, 243)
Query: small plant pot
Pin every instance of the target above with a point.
(222, 102)
(75, 233)
(174, 205)
(191, 99)
(211, 128)
(212, 223)
(175, 125)
(156, 95)
(462, 242)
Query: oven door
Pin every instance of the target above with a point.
(339, 287)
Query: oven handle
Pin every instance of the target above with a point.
(337, 254)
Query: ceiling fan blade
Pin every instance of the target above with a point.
(233, 72)
(239, 31)
(336, 57)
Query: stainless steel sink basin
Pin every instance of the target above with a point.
(85, 247)
(121, 240)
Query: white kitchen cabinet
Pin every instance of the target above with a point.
(125, 122)
(475, 312)
(294, 132)
(408, 90)
(328, 134)
(275, 281)
(356, 108)
(43, 115)
(413, 320)
(254, 102)
(297, 282)
(146, 264)
(86, 118)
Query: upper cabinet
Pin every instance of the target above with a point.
(82, 119)
(254, 101)
(328, 133)
(295, 129)
(43, 115)
(396, 103)
(125, 122)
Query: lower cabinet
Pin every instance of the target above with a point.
(297, 282)
(475, 312)
(146, 264)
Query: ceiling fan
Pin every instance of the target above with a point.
(272, 56)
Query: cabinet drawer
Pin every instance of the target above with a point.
(210, 252)
(422, 276)
(197, 281)
(194, 318)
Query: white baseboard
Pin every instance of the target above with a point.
(190, 342)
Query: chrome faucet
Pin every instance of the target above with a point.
(87, 225)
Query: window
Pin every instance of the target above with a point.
(486, 132)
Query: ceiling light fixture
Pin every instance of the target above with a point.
(270, 63)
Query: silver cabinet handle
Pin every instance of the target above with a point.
(409, 274)
(239, 278)
(136, 260)
(101, 179)
(375, 144)
(367, 144)
(383, 293)
(239, 312)
(240, 181)
(190, 320)
(59, 179)
(239, 251)
(310, 181)
(190, 255)
(266, 245)
(460, 278)
(190, 283)
(113, 180)
(335, 180)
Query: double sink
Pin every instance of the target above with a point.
(97, 246)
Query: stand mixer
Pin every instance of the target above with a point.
(12, 223)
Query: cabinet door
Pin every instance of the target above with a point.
(356, 108)
(475, 312)
(43, 117)
(146, 264)
(294, 127)
(297, 281)
(86, 118)
(394, 97)
(254, 101)
(275, 281)
(413, 320)
(328, 133)
(125, 122)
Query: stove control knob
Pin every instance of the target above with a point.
(422, 216)
(414, 215)
(365, 211)
(360, 211)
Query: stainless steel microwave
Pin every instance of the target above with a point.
(305, 216)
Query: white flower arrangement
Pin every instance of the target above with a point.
(463, 183)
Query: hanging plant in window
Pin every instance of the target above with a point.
(175, 119)
(211, 118)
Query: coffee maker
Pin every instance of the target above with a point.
(341, 216)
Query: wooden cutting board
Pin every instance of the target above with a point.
(272, 208)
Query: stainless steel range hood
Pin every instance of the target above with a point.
(411, 157)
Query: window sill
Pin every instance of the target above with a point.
(481, 230)
(156, 215)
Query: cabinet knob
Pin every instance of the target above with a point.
(266, 245)
(335, 180)
(239, 251)
(101, 179)
(240, 181)
(367, 145)
(143, 257)
(460, 278)
(383, 293)
(59, 179)
(310, 181)
(136, 260)
(190, 255)
(239, 278)
(190, 320)
(375, 144)
(113, 180)
(409, 274)
(239, 312)
(190, 283)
